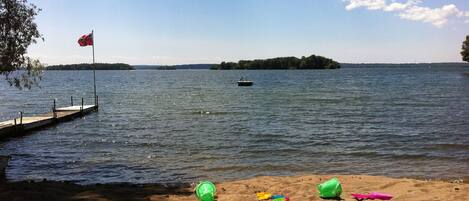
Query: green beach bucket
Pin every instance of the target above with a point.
(330, 189)
(205, 191)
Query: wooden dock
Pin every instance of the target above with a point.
(22, 125)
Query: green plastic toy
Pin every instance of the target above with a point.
(205, 191)
(330, 189)
(279, 199)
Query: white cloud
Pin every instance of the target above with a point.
(410, 10)
(395, 6)
(369, 4)
(437, 16)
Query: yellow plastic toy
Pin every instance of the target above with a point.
(263, 195)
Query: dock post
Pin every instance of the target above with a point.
(97, 102)
(71, 100)
(54, 115)
(16, 127)
(81, 108)
(21, 118)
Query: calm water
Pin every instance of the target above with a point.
(181, 126)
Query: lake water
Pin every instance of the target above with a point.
(186, 125)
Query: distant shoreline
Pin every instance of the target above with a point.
(97, 66)
(120, 66)
(404, 65)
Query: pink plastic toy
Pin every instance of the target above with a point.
(372, 196)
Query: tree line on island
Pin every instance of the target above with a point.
(97, 66)
(279, 63)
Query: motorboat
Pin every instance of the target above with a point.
(244, 82)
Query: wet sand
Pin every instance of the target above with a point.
(298, 188)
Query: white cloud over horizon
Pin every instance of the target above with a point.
(411, 10)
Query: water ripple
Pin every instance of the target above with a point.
(182, 126)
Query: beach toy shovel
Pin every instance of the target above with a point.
(205, 191)
(330, 189)
(372, 196)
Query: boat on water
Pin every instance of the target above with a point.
(466, 74)
(244, 82)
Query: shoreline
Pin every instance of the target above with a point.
(296, 187)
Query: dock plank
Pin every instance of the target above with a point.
(9, 129)
(75, 108)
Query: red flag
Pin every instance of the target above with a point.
(86, 40)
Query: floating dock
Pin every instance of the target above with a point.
(22, 125)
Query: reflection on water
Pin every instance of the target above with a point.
(179, 126)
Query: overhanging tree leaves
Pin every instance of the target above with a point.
(465, 49)
(18, 31)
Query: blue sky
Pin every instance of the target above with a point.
(211, 31)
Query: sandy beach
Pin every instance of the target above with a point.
(296, 187)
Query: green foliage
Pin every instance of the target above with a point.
(311, 62)
(465, 49)
(18, 31)
(97, 66)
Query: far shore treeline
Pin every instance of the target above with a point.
(405, 65)
(281, 63)
(311, 62)
(97, 66)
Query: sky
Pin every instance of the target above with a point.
(210, 31)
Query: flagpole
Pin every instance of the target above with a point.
(94, 71)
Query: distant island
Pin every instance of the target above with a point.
(279, 63)
(98, 66)
(174, 67)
